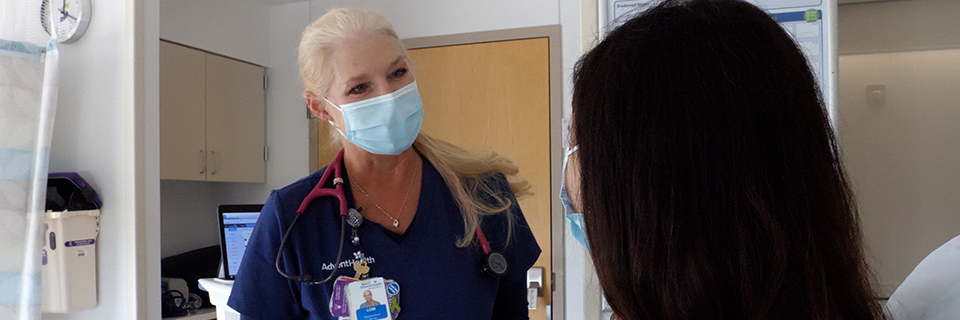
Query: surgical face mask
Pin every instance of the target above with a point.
(386, 124)
(575, 218)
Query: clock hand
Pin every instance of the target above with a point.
(66, 15)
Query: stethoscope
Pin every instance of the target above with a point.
(494, 263)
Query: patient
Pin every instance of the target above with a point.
(932, 290)
(708, 174)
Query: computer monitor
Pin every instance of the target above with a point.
(236, 225)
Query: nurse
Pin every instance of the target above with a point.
(421, 199)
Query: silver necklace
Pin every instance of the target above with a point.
(396, 223)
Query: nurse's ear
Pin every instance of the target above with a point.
(317, 105)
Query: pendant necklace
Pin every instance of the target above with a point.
(396, 221)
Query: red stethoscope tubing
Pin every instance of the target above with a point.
(336, 168)
(337, 191)
(482, 239)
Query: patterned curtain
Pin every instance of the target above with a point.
(28, 93)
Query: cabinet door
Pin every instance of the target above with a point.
(182, 113)
(236, 124)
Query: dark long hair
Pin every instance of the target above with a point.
(712, 184)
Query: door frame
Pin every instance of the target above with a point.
(552, 33)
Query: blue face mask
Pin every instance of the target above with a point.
(576, 219)
(386, 124)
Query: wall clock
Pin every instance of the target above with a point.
(70, 17)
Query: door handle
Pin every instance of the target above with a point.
(534, 286)
(216, 162)
(203, 161)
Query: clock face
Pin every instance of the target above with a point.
(68, 17)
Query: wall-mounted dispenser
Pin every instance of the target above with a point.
(71, 225)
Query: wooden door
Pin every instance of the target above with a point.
(182, 116)
(496, 96)
(236, 121)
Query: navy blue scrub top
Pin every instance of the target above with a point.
(438, 280)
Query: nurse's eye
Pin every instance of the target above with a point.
(399, 73)
(360, 88)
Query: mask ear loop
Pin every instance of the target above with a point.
(564, 196)
(331, 122)
(572, 150)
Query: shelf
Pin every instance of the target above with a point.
(202, 314)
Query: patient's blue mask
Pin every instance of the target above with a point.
(386, 124)
(575, 218)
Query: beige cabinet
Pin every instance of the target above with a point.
(212, 117)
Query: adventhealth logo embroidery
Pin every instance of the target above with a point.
(357, 257)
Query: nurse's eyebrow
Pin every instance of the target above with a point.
(357, 78)
(396, 62)
(364, 76)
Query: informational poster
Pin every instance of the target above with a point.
(812, 23)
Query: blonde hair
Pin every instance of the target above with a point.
(320, 38)
(466, 174)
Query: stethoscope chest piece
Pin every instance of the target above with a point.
(494, 264)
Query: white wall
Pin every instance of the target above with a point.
(148, 251)
(901, 158)
(424, 18)
(890, 26)
(151, 157)
(287, 119)
(94, 135)
(188, 216)
(234, 28)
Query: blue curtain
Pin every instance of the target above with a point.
(28, 92)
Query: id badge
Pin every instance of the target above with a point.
(338, 297)
(367, 300)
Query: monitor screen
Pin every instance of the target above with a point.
(236, 225)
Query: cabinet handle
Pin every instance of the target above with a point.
(216, 162)
(203, 161)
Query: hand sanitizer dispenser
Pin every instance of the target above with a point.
(71, 226)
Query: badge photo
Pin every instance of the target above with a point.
(368, 300)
